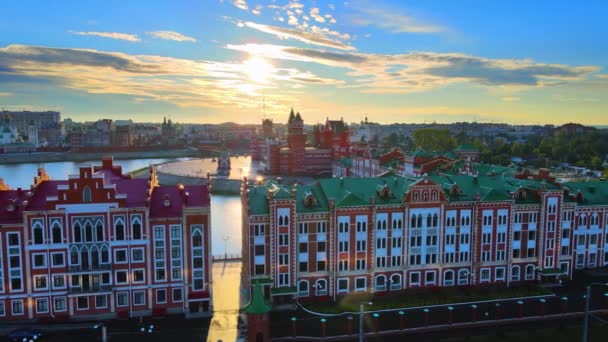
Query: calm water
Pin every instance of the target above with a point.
(225, 210)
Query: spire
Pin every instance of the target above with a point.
(298, 117)
(291, 116)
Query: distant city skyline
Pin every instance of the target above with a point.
(217, 61)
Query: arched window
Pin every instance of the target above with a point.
(413, 223)
(425, 196)
(197, 239)
(515, 271)
(399, 223)
(99, 231)
(77, 232)
(303, 288)
(321, 287)
(530, 272)
(435, 220)
(384, 225)
(119, 229)
(396, 281)
(463, 277)
(434, 195)
(74, 257)
(280, 220)
(56, 233)
(86, 194)
(94, 257)
(380, 283)
(448, 278)
(88, 232)
(419, 223)
(38, 234)
(84, 257)
(429, 220)
(105, 255)
(136, 234)
(198, 277)
(286, 220)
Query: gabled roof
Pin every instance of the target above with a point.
(593, 192)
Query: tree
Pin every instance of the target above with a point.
(434, 139)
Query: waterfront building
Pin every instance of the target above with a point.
(292, 156)
(476, 225)
(100, 244)
(48, 125)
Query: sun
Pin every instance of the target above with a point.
(258, 69)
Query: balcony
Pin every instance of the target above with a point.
(90, 289)
(89, 268)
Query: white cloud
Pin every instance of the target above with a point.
(292, 20)
(171, 35)
(242, 4)
(314, 13)
(257, 10)
(178, 81)
(321, 37)
(111, 35)
(392, 21)
(420, 71)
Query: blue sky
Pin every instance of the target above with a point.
(242, 60)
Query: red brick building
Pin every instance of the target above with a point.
(100, 244)
(387, 233)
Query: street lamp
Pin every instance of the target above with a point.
(104, 331)
(587, 300)
(226, 238)
(361, 307)
(149, 329)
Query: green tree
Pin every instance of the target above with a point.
(434, 139)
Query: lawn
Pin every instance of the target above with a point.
(426, 296)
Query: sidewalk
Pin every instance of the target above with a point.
(227, 301)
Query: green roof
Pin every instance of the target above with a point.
(348, 162)
(257, 304)
(594, 192)
(466, 147)
(283, 290)
(262, 281)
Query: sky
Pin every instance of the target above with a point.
(212, 61)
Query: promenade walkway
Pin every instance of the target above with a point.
(226, 301)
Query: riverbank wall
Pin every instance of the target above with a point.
(219, 186)
(50, 157)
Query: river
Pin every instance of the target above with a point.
(225, 210)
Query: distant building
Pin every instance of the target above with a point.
(573, 129)
(101, 245)
(296, 158)
(48, 124)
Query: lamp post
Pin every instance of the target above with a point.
(586, 319)
(226, 238)
(104, 331)
(361, 307)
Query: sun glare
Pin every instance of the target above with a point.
(258, 69)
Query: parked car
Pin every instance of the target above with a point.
(25, 334)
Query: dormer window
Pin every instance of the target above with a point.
(309, 200)
(167, 201)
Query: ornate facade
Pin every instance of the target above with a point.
(344, 235)
(100, 245)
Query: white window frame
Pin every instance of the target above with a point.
(156, 296)
(13, 307)
(57, 308)
(485, 270)
(143, 296)
(338, 281)
(361, 289)
(126, 272)
(44, 264)
(52, 259)
(143, 254)
(42, 299)
(116, 251)
(36, 277)
(64, 281)
(122, 294)
(173, 291)
(143, 270)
